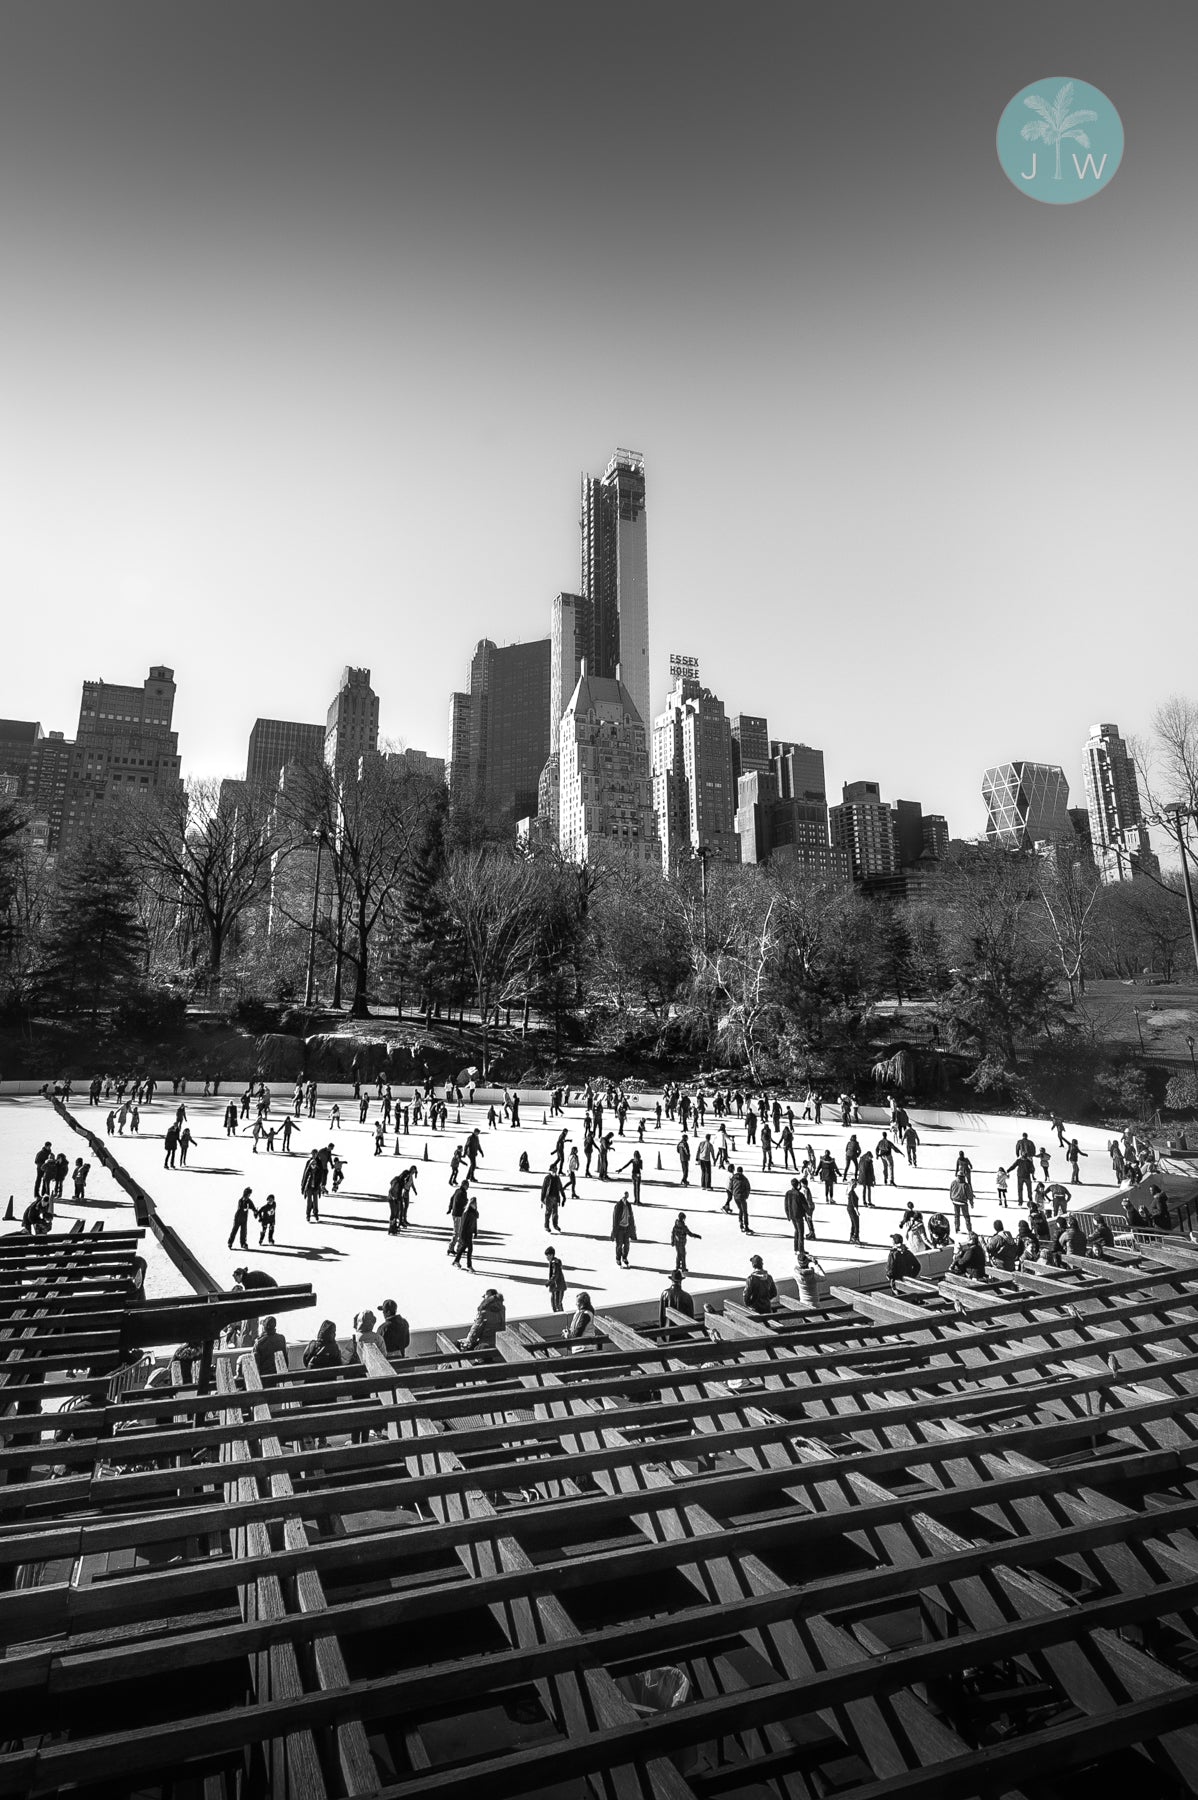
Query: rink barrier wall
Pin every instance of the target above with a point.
(184, 1260)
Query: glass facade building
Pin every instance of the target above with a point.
(1026, 804)
(499, 729)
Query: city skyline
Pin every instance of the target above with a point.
(273, 389)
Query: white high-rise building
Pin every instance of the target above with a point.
(694, 792)
(1120, 842)
(605, 785)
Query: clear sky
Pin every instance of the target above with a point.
(312, 314)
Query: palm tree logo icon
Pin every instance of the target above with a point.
(1054, 123)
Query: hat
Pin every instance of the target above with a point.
(238, 1273)
(388, 1306)
(896, 1237)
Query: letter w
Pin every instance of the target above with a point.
(1089, 165)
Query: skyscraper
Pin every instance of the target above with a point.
(800, 770)
(124, 745)
(615, 575)
(935, 836)
(499, 730)
(276, 742)
(606, 783)
(694, 794)
(45, 789)
(782, 812)
(750, 744)
(863, 827)
(1026, 804)
(17, 739)
(571, 630)
(352, 728)
(1119, 840)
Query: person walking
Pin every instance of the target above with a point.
(828, 1173)
(466, 1234)
(684, 1159)
(556, 1280)
(170, 1144)
(623, 1229)
(852, 1202)
(795, 1209)
(705, 1157)
(1071, 1157)
(911, 1145)
(241, 1214)
(266, 1220)
(458, 1202)
(1024, 1171)
(679, 1236)
(740, 1190)
(865, 1177)
(960, 1194)
(552, 1196)
(635, 1165)
(310, 1180)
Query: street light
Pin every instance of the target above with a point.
(702, 852)
(1193, 1068)
(1140, 1029)
(310, 982)
(1179, 811)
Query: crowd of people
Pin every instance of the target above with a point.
(732, 1132)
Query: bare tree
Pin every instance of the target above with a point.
(371, 821)
(742, 960)
(491, 901)
(1070, 893)
(204, 850)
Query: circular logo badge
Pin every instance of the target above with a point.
(1060, 140)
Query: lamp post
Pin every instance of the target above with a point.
(1179, 811)
(310, 980)
(1193, 1067)
(1140, 1029)
(702, 852)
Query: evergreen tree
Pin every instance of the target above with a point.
(94, 952)
(424, 928)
